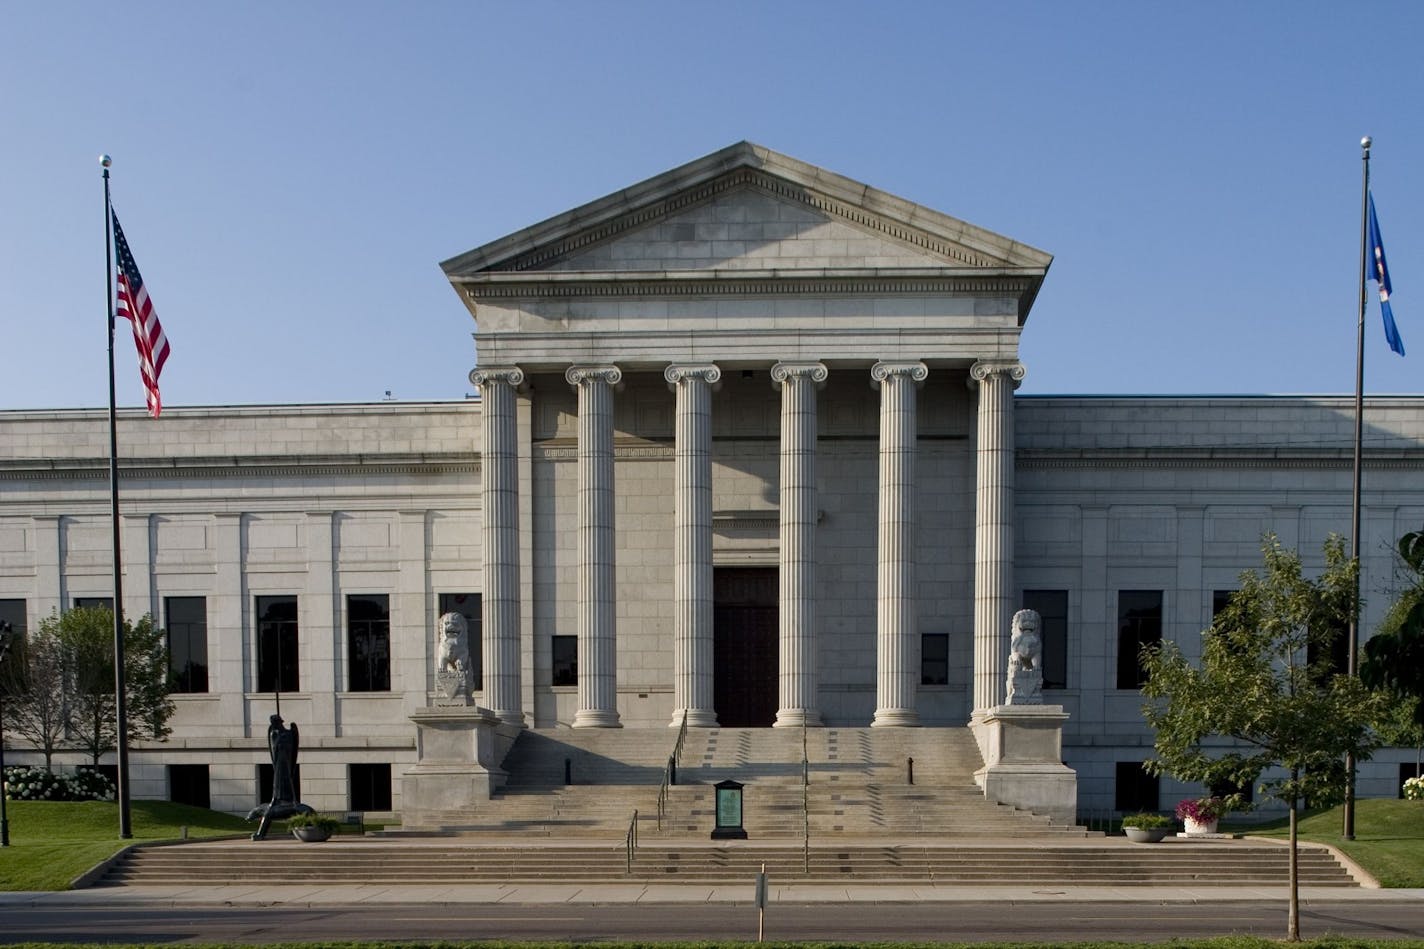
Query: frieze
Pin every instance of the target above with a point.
(133, 470)
(732, 285)
(1319, 459)
(570, 452)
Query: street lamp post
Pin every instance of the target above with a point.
(6, 632)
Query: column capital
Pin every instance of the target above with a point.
(917, 372)
(783, 371)
(483, 375)
(985, 368)
(706, 371)
(577, 375)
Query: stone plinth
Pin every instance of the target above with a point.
(1023, 760)
(458, 752)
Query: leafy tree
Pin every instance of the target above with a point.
(1394, 656)
(1255, 702)
(36, 703)
(88, 638)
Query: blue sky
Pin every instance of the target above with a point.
(289, 175)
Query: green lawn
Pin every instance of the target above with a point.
(1389, 838)
(53, 842)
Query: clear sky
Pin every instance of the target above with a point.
(290, 175)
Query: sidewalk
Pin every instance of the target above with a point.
(647, 893)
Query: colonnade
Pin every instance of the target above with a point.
(897, 629)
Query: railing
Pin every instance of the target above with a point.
(630, 841)
(805, 804)
(670, 771)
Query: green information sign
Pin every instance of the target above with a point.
(729, 807)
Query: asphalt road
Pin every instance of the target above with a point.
(957, 922)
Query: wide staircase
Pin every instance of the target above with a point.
(823, 804)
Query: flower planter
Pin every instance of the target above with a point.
(1146, 835)
(311, 835)
(1196, 828)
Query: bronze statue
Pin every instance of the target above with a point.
(282, 744)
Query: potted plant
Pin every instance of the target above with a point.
(312, 827)
(1200, 814)
(1147, 828)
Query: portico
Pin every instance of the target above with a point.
(748, 362)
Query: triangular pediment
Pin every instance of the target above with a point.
(743, 209)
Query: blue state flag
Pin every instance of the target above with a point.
(1379, 272)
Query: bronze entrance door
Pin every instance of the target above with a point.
(744, 647)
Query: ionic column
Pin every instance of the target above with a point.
(897, 639)
(692, 546)
(499, 497)
(993, 527)
(797, 673)
(597, 631)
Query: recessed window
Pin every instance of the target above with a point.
(1135, 789)
(186, 623)
(369, 787)
(93, 602)
(1139, 623)
(934, 659)
(188, 784)
(565, 660)
(1052, 609)
(368, 637)
(277, 640)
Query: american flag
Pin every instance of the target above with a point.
(137, 308)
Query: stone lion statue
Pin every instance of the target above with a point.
(452, 644)
(1025, 674)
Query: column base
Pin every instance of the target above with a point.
(696, 718)
(596, 718)
(513, 716)
(895, 718)
(796, 717)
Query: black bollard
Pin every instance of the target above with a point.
(568, 771)
(910, 767)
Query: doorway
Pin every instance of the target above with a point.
(744, 645)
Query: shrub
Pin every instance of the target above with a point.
(23, 783)
(313, 819)
(1145, 821)
(1414, 789)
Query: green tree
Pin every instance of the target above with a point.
(1393, 660)
(88, 640)
(36, 701)
(1255, 703)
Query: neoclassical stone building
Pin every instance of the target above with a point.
(747, 452)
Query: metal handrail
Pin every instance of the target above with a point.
(670, 768)
(630, 841)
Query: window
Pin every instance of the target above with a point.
(1052, 609)
(276, 644)
(264, 783)
(1228, 788)
(368, 638)
(187, 628)
(1139, 623)
(468, 606)
(1135, 789)
(1335, 654)
(188, 784)
(93, 602)
(934, 659)
(370, 787)
(1219, 601)
(12, 661)
(565, 660)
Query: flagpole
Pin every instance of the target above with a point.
(120, 696)
(1353, 637)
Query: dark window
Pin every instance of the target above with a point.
(1407, 770)
(370, 787)
(468, 606)
(93, 602)
(12, 662)
(1135, 789)
(565, 660)
(188, 784)
(1335, 652)
(934, 659)
(1228, 788)
(277, 644)
(264, 784)
(1139, 623)
(187, 628)
(1052, 609)
(368, 636)
(1219, 601)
